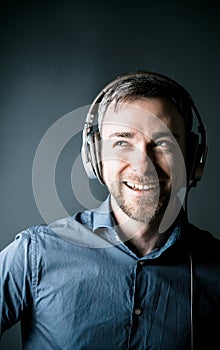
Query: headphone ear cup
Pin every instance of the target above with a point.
(85, 155)
(200, 163)
(196, 155)
(192, 156)
(91, 156)
(95, 153)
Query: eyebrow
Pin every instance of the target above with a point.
(123, 134)
(161, 134)
(131, 135)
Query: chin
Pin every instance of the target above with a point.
(147, 213)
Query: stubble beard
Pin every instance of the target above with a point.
(148, 208)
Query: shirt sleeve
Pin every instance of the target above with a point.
(16, 262)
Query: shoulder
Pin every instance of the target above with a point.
(28, 240)
(201, 235)
(51, 232)
(203, 243)
(23, 244)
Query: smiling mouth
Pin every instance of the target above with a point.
(140, 187)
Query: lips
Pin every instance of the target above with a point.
(140, 187)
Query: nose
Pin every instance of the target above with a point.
(142, 160)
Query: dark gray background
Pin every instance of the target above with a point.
(57, 55)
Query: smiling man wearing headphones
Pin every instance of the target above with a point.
(133, 273)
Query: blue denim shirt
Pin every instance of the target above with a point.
(74, 285)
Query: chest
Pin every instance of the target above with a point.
(112, 301)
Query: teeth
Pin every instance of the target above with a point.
(141, 187)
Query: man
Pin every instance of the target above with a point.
(134, 273)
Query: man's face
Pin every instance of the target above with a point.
(142, 144)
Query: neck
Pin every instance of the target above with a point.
(140, 237)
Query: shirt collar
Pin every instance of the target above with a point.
(102, 218)
(102, 215)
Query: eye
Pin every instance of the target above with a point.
(162, 143)
(165, 145)
(122, 143)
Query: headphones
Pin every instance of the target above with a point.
(196, 142)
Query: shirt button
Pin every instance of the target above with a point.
(141, 262)
(137, 311)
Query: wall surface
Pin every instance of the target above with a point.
(57, 55)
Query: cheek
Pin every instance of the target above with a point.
(113, 162)
(164, 164)
(171, 165)
(110, 169)
(175, 169)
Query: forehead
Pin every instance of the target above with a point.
(145, 116)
